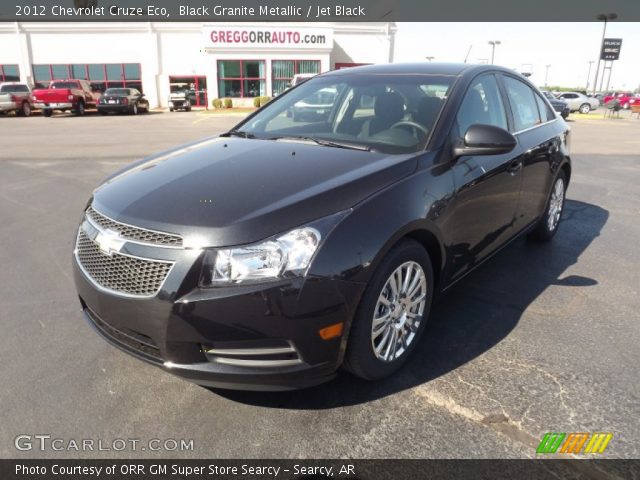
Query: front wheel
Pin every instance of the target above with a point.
(79, 110)
(392, 313)
(134, 109)
(548, 224)
(585, 108)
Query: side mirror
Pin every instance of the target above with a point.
(483, 139)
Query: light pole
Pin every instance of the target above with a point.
(605, 17)
(546, 75)
(590, 62)
(429, 58)
(493, 44)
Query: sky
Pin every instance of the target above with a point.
(527, 47)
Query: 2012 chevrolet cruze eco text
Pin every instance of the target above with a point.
(274, 254)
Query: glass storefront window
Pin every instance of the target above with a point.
(241, 78)
(194, 86)
(60, 72)
(282, 72)
(9, 73)
(132, 71)
(101, 76)
(114, 72)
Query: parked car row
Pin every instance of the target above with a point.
(70, 95)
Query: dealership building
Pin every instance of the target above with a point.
(211, 60)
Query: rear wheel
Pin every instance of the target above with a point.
(25, 111)
(548, 224)
(134, 109)
(392, 313)
(585, 108)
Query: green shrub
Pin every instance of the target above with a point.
(264, 100)
(217, 103)
(256, 101)
(228, 103)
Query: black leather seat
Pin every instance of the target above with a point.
(388, 109)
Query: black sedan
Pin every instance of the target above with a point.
(281, 251)
(558, 105)
(122, 100)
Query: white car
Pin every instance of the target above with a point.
(16, 97)
(578, 102)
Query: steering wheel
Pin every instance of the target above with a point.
(408, 123)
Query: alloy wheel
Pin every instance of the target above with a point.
(398, 311)
(556, 204)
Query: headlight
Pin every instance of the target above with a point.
(286, 255)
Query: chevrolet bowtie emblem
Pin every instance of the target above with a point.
(109, 241)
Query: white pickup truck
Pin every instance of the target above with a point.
(16, 97)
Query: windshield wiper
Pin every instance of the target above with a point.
(238, 133)
(326, 143)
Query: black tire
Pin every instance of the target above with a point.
(544, 231)
(103, 112)
(134, 109)
(25, 110)
(360, 358)
(79, 110)
(171, 109)
(584, 108)
(47, 113)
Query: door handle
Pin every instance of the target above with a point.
(514, 167)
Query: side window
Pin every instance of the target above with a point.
(482, 104)
(545, 112)
(523, 104)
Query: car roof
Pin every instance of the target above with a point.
(422, 68)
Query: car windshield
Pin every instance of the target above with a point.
(57, 85)
(387, 113)
(116, 91)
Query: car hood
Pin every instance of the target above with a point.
(232, 191)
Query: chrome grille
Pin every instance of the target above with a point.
(120, 273)
(130, 232)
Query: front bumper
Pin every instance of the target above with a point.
(53, 106)
(179, 328)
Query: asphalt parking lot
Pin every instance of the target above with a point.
(543, 338)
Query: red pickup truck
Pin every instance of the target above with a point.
(63, 95)
(626, 99)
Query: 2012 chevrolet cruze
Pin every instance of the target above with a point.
(274, 254)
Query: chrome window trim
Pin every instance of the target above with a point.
(131, 240)
(115, 292)
(535, 126)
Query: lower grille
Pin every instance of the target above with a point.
(120, 273)
(129, 339)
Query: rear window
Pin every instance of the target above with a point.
(61, 85)
(117, 91)
(14, 88)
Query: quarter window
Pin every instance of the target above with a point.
(545, 112)
(523, 104)
(482, 104)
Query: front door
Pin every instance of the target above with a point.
(487, 186)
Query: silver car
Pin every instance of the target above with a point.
(578, 102)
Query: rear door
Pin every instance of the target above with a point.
(487, 186)
(539, 142)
